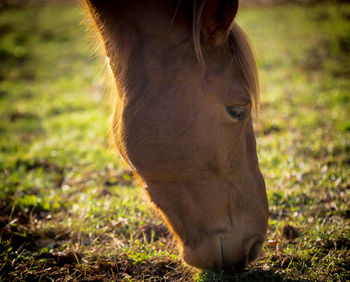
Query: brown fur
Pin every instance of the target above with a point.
(177, 66)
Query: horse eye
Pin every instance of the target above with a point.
(236, 112)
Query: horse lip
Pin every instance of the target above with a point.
(226, 265)
(222, 252)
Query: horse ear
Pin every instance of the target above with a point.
(217, 17)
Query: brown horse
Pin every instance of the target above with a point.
(187, 83)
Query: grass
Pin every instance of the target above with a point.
(69, 209)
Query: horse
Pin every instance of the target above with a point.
(187, 87)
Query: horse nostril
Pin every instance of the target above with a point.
(254, 251)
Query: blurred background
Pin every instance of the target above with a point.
(70, 209)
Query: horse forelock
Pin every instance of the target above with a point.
(196, 30)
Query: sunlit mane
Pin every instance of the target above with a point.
(245, 61)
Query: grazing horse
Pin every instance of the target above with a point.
(187, 83)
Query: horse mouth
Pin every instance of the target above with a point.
(222, 251)
(230, 264)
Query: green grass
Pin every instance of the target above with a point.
(68, 206)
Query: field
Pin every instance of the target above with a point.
(70, 209)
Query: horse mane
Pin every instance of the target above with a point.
(245, 61)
